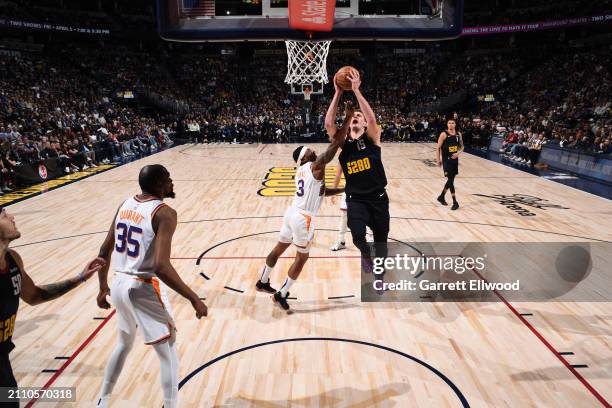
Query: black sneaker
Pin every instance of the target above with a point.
(264, 287)
(366, 265)
(281, 300)
(441, 200)
(455, 206)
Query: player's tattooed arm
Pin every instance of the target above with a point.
(34, 295)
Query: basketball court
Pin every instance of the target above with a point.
(334, 350)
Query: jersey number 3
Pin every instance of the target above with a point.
(300, 189)
(125, 240)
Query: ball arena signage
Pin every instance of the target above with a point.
(516, 201)
(280, 181)
(30, 25)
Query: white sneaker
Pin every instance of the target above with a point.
(338, 246)
(66, 170)
(85, 167)
(529, 162)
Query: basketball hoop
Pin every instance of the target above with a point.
(307, 62)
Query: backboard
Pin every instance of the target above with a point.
(265, 20)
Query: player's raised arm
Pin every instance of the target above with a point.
(439, 148)
(373, 131)
(164, 225)
(332, 111)
(33, 294)
(337, 141)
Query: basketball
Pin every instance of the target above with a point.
(342, 77)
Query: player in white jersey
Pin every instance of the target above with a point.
(298, 222)
(139, 240)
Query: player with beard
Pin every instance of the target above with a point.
(299, 220)
(139, 240)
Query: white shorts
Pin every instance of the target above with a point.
(298, 228)
(343, 202)
(142, 304)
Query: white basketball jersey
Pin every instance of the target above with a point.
(135, 238)
(309, 191)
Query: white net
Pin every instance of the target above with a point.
(307, 62)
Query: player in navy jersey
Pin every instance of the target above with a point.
(361, 161)
(15, 283)
(450, 145)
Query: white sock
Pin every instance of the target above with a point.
(115, 364)
(342, 227)
(286, 286)
(168, 362)
(265, 274)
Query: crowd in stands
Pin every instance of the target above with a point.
(65, 104)
(49, 108)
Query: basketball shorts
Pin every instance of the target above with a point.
(298, 228)
(451, 167)
(142, 303)
(343, 202)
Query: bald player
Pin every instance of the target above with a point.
(139, 240)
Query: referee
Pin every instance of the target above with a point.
(366, 198)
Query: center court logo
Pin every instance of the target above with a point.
(515, 201)
(280, 181)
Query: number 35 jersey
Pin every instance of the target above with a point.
(309, 191)
(134, 237)
(361, 162)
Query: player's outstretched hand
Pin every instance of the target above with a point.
(200, 308)
(92, 267)
(355, 79)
